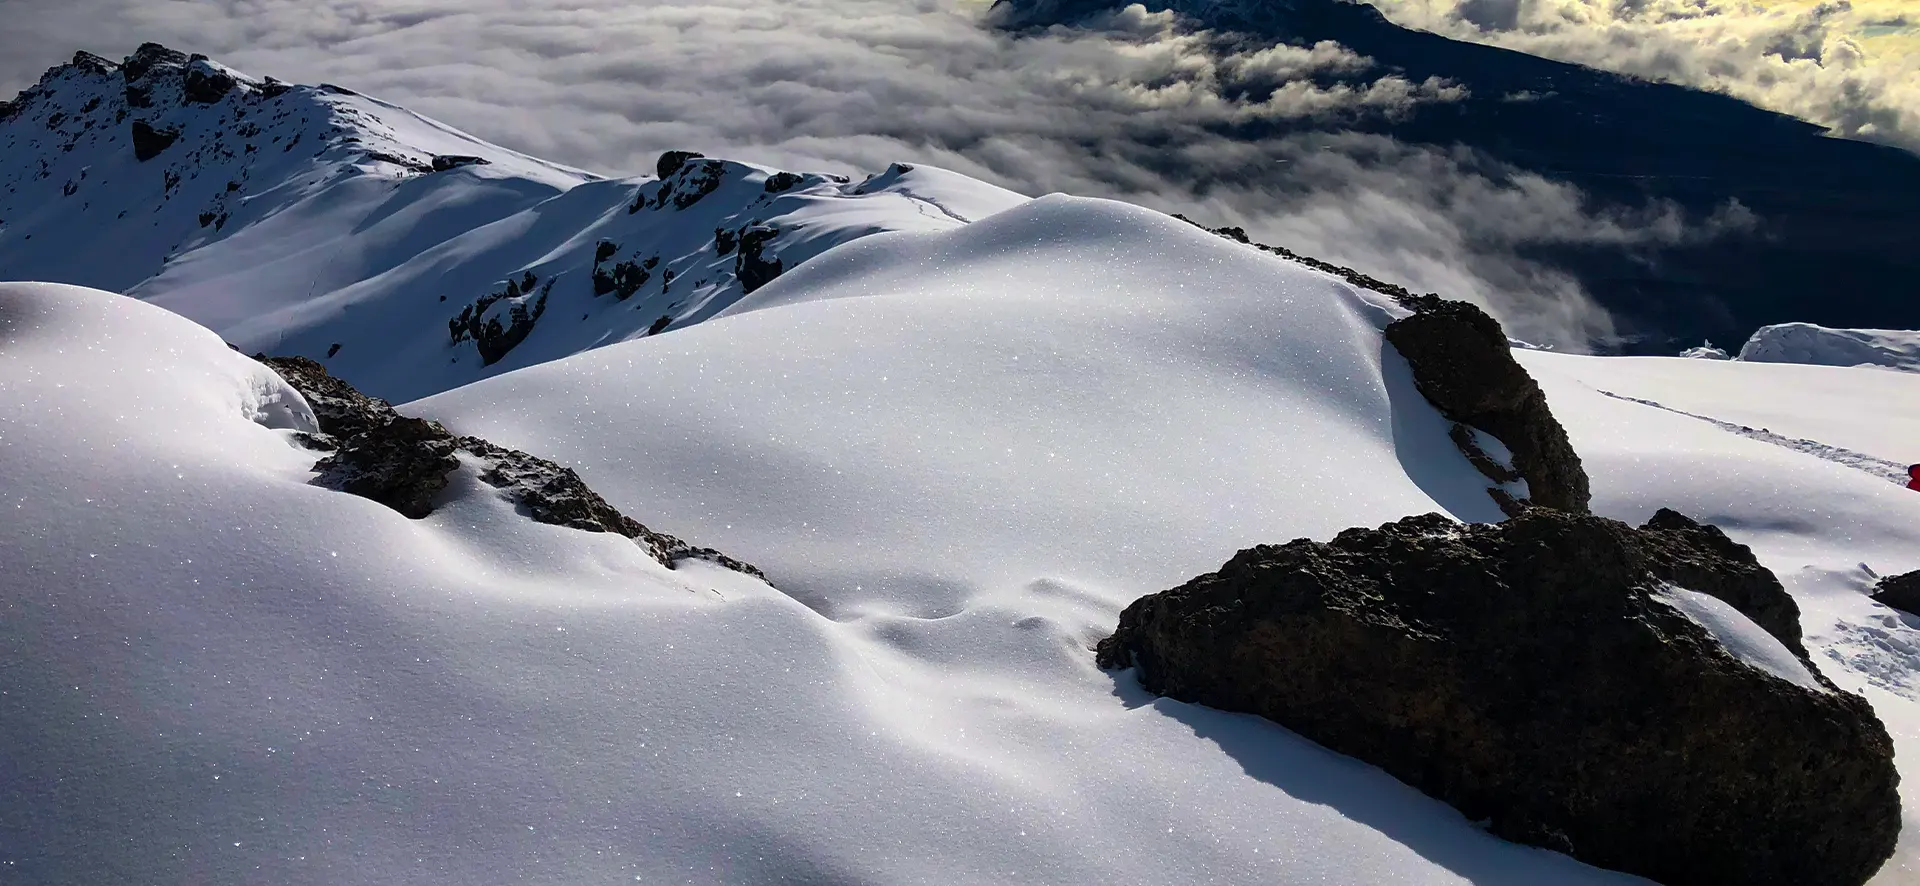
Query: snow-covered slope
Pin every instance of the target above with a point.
(956, 454)
(409, 257)
(218, 673)
(1807, 343)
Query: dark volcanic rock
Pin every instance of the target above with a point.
(205, 84)
(1902, 592)
(405, 463)
(402, 464)
(1699, 557)
(782, 181)
(92, 64)
(1532, 674)
(478, 323)
(444, 162)
(148, 57)
(1464, 366)
(692, 179)
(752, 266)
(671, 161)
(148, 142)
(341, 410)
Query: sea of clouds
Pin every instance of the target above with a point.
(1129, 106)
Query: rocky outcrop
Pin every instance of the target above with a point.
(499, 321)
(782, 181)
(444, 162)
(92, 64)
(1901, 592)
(149, 142)
(753, 266)
(147, 58)
(671, 161)
(205, 84)
(1543, 676)
(1463, 364)
(406, 464)
(1701, 558)
(685, 178)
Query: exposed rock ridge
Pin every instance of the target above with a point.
(1901, 592)
(404, 463)
(1544, 675)
(1463, 365)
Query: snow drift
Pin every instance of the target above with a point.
(1807, 343)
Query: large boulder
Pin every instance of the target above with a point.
(1578, 684)
(1462, 363)
(406, 463)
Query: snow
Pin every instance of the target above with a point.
(958, 443)
(1866, 412)
(1808, 343)
(1740, 637)
(291, 222)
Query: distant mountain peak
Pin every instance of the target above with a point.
(317, 221)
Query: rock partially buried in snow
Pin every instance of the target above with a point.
(405, 463)
(149, 142)
(1463, 364)
(1554, 675)
(1901, 592)
(671, 161)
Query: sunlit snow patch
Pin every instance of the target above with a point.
(1741, 638)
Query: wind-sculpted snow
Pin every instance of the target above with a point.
(1808, 343)
(955, 453)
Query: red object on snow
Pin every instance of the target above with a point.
(1913, 478)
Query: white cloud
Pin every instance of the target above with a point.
(1850, 66)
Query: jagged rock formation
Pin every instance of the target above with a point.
(1901, 592)
(1548, 675)
(1464, 366)
(671, 161)
(405, 463)
(481, 321)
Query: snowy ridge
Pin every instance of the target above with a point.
(294, 219)
(1821, 346)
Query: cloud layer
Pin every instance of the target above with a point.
(1127, 109)
(1851, 65)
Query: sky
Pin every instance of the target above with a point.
(1118, 109)
(1850, 65)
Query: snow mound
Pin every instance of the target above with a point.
(219, 671)
(1818, 345)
